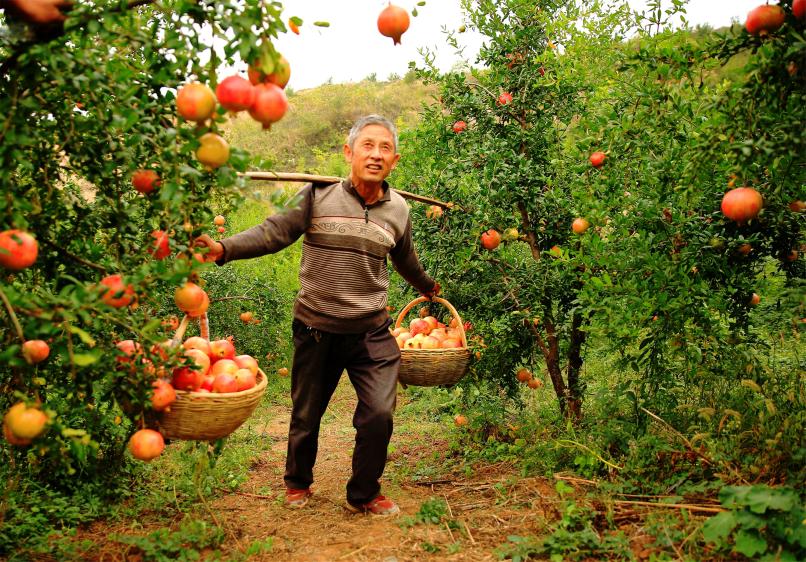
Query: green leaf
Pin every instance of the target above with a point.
(84, 359)
(749, 543)
(84, 336)
(718, 527)
(322, 23)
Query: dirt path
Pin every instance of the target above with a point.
(482, 509)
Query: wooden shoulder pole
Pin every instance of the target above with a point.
(327, 180)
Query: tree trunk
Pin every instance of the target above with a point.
(574, 367)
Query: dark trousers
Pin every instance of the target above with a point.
(371, 360)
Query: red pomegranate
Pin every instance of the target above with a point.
(393, 22)
(145, 181)
(164, 395)
(235, 93)
(146, 444)
(459, 126)
(160, 248)
(18, 249)
(35, 351)
(504, 98)
(799, 9)
(597, 159)
(195, 102)
(270, 104)
(280, 76)
(742, 204)
(764, 19)
(115, 293)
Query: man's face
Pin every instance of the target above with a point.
(373, 155)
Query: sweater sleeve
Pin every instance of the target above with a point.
(407, 264)
(275, 233)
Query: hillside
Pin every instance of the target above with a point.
(310, 136)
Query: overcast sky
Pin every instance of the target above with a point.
(351, 48)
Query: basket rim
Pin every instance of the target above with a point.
(259, 387)
(446, 304)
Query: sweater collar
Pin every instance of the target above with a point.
(385, 196)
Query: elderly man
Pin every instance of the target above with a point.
(340, 318)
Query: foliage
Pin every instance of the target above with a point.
(183, 544)
(762, 523)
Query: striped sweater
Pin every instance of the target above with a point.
(343, 275)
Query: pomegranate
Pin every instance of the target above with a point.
(580, 225)
(799, 9)
(270, 104)
(195, 102)
(597, 159)
(145, 181)
(221, 230)
(764, 19)
(202, 309)
(433, 212)
(523, 375)
(245, 379)
(225, 382)
(754, 299)
(742, 204)
(160, 248)
(192, 376)
(460, 420)
(246, 362)
(393, 22)
(18, 249)
(504, 98)
(279, 77)
(797, 206)
(196, 342)
(164, 395)
(235, 93)
(25, 422)
(219, 220)
(221, 349)
(490, 239)
(534, 383)
(189, 297)
(146, 444)
(246, 317)
(13, 439)
(35, 351)
(213, 151)
(116, 294)
(459, 126)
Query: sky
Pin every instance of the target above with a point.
(352, 49)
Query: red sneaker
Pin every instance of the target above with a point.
(297, 498)
(379, 506)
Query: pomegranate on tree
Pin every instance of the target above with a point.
(742, 204)
(18, 249)
(459, 126)
(164, 395)
(279, 76)
(189, 297)
(580, 225)
(799, 9)
(270, 104)
(597, 159)
(490, 239)
(505, 98)
(213, 151)
(35, 351)
(195, 102)
(219, 220)
(393, 22)
(117, 294)
(764, 19)
(146, 444)
(160, 248)
(25, 422)
(202, 308)
(145, 181)
(235, 93)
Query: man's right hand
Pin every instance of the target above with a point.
(39, 12)
(215, 250)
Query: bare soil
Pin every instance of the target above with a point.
(485, 503)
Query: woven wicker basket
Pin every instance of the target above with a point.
(433, 367)
(207, 416)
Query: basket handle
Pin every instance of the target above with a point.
(204, 328)
(443, 302)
